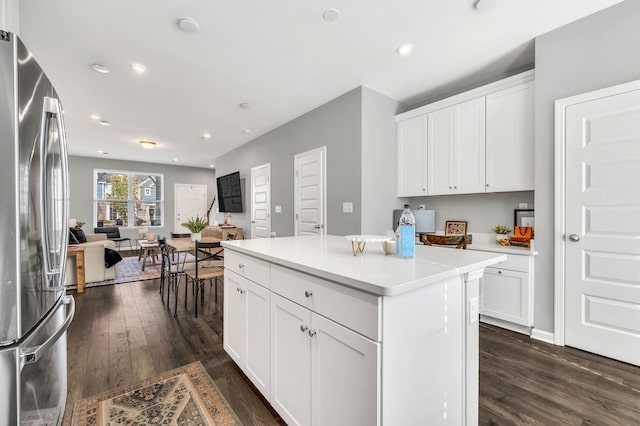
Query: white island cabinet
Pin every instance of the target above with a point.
(364, 340)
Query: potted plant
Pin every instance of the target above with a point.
(195, 226)
(502, 234)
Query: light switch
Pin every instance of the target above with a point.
(347, 207)
(278, 209)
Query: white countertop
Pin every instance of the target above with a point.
(330, 257)
(487, 242)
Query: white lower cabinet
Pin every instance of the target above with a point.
(507, 291)
(247, 329)
(322, 373)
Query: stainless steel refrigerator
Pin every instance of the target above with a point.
(34, 310)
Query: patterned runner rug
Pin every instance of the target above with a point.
(184, 396)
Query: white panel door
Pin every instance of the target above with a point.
(345, 389)
(412, 157)
(602, 222)
(290, 361)
(190, 201)
(261, 201)
(309, 192)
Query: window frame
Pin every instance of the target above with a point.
(130, 201)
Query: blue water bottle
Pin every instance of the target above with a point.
(407, 238)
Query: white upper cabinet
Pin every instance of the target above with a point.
(456, 149)
(478, 141)
(412, 157)
(510, 139)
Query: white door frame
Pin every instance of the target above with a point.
(560, 196)
(323, 151)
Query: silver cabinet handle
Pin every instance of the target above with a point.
(574, 237)
(303, 328)
(500, 272)
(308, 293)
(312, 333)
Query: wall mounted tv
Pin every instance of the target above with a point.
(229, 193)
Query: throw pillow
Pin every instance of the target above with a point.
(79, 234)
(72, 238)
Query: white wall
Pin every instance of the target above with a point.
(9, 20)
(598, 51)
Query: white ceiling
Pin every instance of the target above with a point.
(280, 56)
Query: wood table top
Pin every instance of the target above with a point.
(185, 244)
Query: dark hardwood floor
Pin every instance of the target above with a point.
(123, 334)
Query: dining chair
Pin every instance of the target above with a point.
(162, 244)
(205, 269)
(173, 271)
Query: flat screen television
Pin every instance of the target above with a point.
(229, 193)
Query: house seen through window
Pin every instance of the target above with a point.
(128, 199)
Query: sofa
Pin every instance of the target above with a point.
(94, 269)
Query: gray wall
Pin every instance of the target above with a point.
(378, 162)
(81, 188)
(481, 211)
(335, 125)
(596, 52)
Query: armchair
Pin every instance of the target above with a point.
(113, 234)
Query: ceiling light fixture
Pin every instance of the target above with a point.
(206, 136)
(485, 4)
(95, 116)
(331, 15)
(189, 25)
(139, 68)
(245, 105)
(405, 49)
(148, 144)
(104, 123)
(101, 68)
(247, 131)
(175, 160)
(211, 166)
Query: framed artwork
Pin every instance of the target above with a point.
(455, 227)
(523, 217)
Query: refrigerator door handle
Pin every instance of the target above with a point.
(54, 257)
(30, 355)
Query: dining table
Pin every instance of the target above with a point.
(185, 244)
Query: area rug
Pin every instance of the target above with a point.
(130, 270)
(184, 396)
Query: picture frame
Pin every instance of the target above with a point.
(455, 228)
(524, 217)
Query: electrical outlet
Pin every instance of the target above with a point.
(474, 310)
(278, 209)
(347, 207)
(422, 206)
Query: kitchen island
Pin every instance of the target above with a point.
(329, 338)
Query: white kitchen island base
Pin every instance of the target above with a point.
(330, 339)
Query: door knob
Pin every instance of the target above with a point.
(317, 226)
(574, 237)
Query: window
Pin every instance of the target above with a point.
(128, 199)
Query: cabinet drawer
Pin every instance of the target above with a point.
(354, 309)
(249, 267)
(514, 262)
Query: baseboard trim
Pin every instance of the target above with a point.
(543, 336)
(506, 324)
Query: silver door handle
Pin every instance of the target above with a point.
(318, 226)
(30, 355)
(574, 237)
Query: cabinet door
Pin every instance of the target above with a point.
(290, 361)
(345, 376)
(510, 139)
(412, 161)
(257, 343)
(505, 295)
(441, 151)
(469, 157)
(234, 317)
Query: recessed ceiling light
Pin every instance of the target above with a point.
(206, 136)
(247, 131)
(104, 123)
(211, 166)
(148, 144)
(102, 152)
(101, 68)
(245, 105)
(485, 4)
(405, 49)
(139, 68)
(331, 15)
(95, 116)
(188, 24)
(175, 160)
